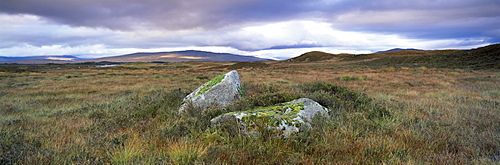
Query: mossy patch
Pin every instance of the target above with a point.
(210, 84)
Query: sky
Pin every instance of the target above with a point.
(277, 29)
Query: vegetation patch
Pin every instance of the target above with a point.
(247, 65)
(350, 78)
(127, 116)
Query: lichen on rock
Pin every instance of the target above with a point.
(205, 87)
(286, 117)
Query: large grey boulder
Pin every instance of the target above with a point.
(287, 117)
(221, 91)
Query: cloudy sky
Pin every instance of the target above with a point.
(271, 28)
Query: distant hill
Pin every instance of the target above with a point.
(407, 53)
(315, 56)
(399, 49)
(483, 58)
(178, 56)
(55, 58)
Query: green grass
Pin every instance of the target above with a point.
(350, 78)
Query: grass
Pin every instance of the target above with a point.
(128, 115)
(350, 78)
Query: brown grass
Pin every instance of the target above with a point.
(127, 114)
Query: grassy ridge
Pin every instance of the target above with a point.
(128, 115)
(485, 58)
(315, 56)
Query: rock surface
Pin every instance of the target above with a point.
(221, 91)
(286, 117)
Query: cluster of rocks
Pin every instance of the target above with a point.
(225, 89)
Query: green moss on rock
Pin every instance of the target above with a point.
(287, 118)
(272, 115)
(210, 84)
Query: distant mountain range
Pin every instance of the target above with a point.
(399, 49)
(175, 56)
(56, 58)
(178, 56)
(479, 58)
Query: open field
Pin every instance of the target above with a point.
(127, 114)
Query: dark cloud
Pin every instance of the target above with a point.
(426, 19)
(213, 14)
(113, 14)
(168, 14)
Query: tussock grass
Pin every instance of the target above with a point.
(128, 115)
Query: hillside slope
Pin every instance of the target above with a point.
(178, 56)
(484, 58)
(316, 56)
(400, 49)
(39, 59)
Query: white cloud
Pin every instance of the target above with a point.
(28, 35)
(30, 50)
(317, 34)
(21, 30)
(11, 21)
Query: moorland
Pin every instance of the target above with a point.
(403, 107)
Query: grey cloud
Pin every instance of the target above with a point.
(168, 14)
(426, 19)
(213, 14)
(111, 14)
(29, 30)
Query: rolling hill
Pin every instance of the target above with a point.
(316, 56)
(42, 58)
(400, 49)
(177, 56)
(483, 58)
